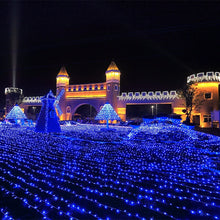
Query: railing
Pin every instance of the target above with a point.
(86, 87)
(158, 95)
(204, 77)
(35, 99)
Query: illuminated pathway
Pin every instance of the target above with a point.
(155, 172)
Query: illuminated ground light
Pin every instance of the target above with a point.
(159, 171)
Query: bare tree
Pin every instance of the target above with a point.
(193, 99)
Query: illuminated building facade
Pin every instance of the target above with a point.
(208, 94)
(13, 96)
(97, 94)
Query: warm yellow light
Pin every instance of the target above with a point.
(178, 110)
(207, 84)
(62, 81)
(121, 111)
(86, 94)
(62, 117)
(113, 76)
(68, 116)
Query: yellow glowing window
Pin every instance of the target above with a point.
(62, 80)
(113, 75)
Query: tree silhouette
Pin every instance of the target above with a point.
(193, 99)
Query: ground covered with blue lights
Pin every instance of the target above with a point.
(158, 171)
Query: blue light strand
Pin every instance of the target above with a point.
(157, 177)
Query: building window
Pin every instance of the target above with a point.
(68, 109)
(84, 88)
(74, 88)
(207, 118)
(96, 87)
(208, 95)
(79, 89)
(116, 87)
(101, 87)
(108, 87)
(69, 89)
(90, 87)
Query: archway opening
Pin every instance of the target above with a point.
(85, 113)
(33, 112)
(147, 111)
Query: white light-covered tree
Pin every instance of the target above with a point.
(16, 114)
(107, 113)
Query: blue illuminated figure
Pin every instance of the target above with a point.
(107, 113)
(48, 120)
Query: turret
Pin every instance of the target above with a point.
(112, 73)
(62, 78)
(62, 83)
(112, 84)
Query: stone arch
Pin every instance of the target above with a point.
(87, 113)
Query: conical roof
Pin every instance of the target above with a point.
(63, 72)
(16, 113)
(49, 95)
(112, 67)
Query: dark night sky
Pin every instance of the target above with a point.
(155, 44)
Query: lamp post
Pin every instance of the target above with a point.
(152, 107)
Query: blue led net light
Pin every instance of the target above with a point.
(158, 171)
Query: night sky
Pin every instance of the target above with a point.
(155, 44)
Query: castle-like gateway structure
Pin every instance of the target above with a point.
(95, 94)
(71, 97)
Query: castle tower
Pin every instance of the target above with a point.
(112, 84)
(62, 83)
(62, 78)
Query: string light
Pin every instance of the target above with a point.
(160, 170)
